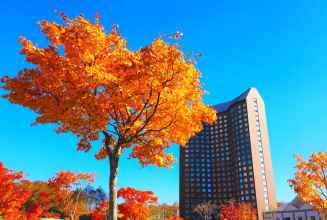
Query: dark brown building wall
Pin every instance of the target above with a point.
(229, 159)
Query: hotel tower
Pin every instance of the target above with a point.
(229, 159)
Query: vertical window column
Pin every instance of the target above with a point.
(261, 154)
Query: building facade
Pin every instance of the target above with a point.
(295, 210)
(229, 159)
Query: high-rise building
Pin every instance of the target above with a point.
(230, 159)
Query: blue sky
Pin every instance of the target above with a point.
(279, 47)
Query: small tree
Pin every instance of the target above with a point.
(206, 210)
(61, 194)
(90, 84)
(310, 181)
(233, 211)
(68, 192)
(163, 211)
(43, 200)
(101, 211)
(247, 211)
(136, 203)
(230, 211)
(12, 196)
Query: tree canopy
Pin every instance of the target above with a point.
(88, 82)
(310, 181)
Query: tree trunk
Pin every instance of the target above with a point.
(113, 211)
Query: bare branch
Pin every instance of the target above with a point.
(147, 120)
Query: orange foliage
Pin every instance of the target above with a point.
(66, 180)
(37, 198)
(163, 210)
(136, 203)
(175, 218)
(147, 98)
(42, 199)
(233, 211)
(12, 197)
(247, 211)
(230, 211)
(66, 188)
(89, 83)
(34, 212)
(61, 192)
(310, 181)
(100, 213)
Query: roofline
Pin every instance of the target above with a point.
(225, 106)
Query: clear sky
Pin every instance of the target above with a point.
(279, 47)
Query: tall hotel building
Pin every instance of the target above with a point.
(229, 159)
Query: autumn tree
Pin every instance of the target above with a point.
(60, 195)
(100, 211)
(234, 211)
(43, 200)
(163, 211)
(247, 211)
(68, 190)
(310, 181)
(21, 199)
(230, 211)
(12, 196)
(36, 211)
(89, 83)
(206, 210)
(136, 203)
